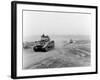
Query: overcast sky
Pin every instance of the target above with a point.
(37, 23)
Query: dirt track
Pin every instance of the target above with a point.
(61, 56)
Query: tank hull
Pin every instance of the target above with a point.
(44, 48)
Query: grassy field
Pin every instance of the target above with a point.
(65, 54)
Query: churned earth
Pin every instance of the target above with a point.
(65, 54)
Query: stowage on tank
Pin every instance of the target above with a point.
(45, 44)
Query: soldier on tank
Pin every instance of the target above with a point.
(44, 44)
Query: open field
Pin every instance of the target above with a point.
(76, 54)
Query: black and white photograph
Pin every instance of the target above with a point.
(55, 39)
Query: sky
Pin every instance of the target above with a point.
(52, 23)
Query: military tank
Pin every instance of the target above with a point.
(45, 44)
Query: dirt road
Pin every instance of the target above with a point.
(59, 57)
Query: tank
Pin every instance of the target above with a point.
(45, 44)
